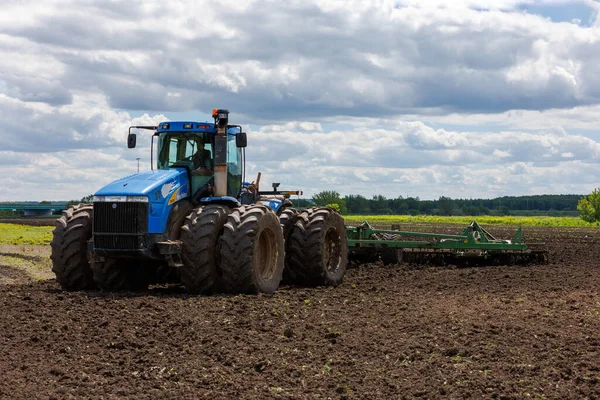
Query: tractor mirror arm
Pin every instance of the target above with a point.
(131, 138)
(148, 127)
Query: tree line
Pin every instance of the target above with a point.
(380, 205)
(561, 204)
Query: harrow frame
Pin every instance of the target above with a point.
(473, 242)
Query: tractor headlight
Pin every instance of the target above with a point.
(99, 198)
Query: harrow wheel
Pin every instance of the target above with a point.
(252, 251)
(70, 259)
(319, 248)
(201, 238)
(392, 256)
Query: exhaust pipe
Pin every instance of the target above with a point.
(221, 119)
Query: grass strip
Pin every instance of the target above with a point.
(25, 234)
(465, 220)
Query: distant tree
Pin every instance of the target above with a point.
(589, 206)
(413, 203)
(357, 204)
(426, 206)
(335, 206)
(471, 210)
(380, 205)
(330, 197)
(446, 205)
(325, 197)
(87, 199)
(402, 209)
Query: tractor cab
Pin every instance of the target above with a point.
(210, 155)
(192, 146)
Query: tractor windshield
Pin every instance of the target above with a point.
(179, 149)
(195, 151)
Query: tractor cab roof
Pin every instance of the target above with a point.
(193, 127)
(186, 126)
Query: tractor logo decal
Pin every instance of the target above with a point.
(179, 194)
(166, 188)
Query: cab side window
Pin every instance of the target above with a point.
(172, 150)
(234, 169)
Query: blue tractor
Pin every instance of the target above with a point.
(193, 218)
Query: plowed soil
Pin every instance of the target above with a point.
(387, 332)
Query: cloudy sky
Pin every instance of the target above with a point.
(461, 98)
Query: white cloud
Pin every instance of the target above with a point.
(339, 94)
(501, 153)
(391, 161)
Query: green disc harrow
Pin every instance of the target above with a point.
(473, 246)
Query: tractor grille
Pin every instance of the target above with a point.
(117, 242)
(120, 217)
(120, 225)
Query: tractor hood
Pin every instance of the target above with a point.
(158, 185)
(163, 188)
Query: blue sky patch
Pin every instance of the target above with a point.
(563, 12)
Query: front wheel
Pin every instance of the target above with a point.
(70, 260)
(252, 250)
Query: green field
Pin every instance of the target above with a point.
(465, 220)
(24, 234)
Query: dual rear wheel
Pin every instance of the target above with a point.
(317, 248)
(249, 249)
(235, 251)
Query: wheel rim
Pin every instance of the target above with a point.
(266, 255)
(333, 250)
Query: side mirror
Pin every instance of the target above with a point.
(131, 140)
(241, 140)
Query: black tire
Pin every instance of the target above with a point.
(201, 236)
(391, 256)
(252, 251)
(319, 247)
(287, 220)
(70, 260)
(114, 275)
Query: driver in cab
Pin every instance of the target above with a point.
(202, 160)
